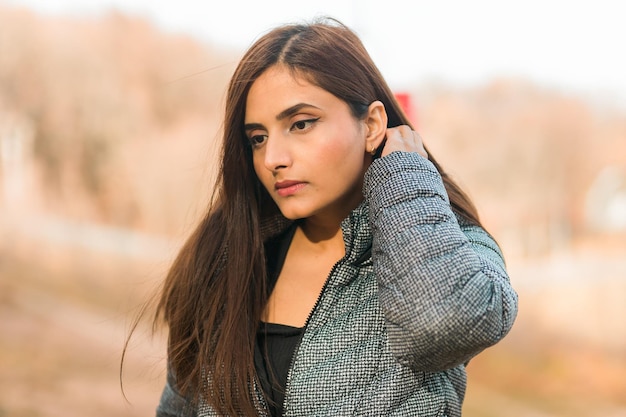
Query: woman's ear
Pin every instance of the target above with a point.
(376, 123)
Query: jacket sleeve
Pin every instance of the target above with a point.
(172, 403)
(443, 286)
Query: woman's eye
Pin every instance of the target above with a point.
(303, 124)
(257, 140)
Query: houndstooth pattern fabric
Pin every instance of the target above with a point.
(392, 331)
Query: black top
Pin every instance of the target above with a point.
(275, 343)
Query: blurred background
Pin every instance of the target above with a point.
(109, 124)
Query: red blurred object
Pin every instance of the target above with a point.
(406, 103)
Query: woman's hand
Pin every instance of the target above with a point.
(403, 138)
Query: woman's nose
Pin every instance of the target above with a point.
(277, 153)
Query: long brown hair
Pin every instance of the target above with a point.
(215, 291)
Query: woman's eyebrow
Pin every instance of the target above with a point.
(288, 112)
(252, 126)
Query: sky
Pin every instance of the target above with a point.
(574, 46)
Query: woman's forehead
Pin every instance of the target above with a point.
(280, 86)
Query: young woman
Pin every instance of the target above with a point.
(339, 271)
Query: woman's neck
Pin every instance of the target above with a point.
(321, 236)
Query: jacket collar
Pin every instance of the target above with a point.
(357, 235)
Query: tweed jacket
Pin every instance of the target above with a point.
(416, 296)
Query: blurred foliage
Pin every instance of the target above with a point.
(528, 155)
(93, 86)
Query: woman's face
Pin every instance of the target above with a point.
(309, 151)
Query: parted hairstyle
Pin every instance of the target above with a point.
(215, 290)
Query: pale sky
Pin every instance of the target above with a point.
(576, 46)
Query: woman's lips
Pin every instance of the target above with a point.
(287, 188)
